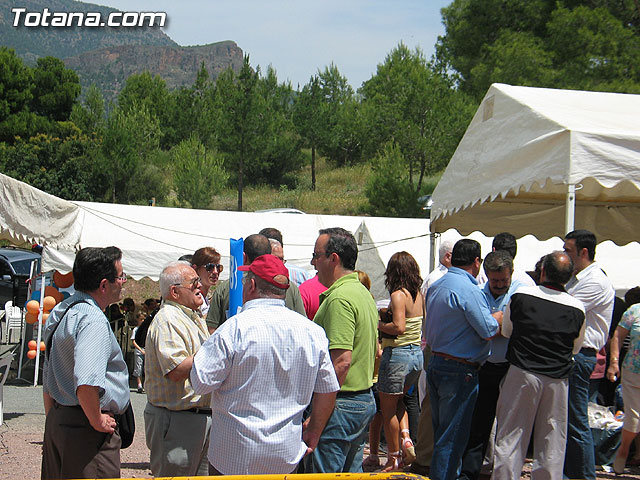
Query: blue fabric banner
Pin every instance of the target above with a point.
(235, 276)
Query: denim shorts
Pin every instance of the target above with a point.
(399, 366)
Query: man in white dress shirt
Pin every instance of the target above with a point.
(444, 258)
(591, 286)
(263, 366)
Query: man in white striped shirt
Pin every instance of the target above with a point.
(263, 366)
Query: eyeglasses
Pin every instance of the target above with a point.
(192, 286)
(315, 255)
(210, 266)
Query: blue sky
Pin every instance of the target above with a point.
(298, 37)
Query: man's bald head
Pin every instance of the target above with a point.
(256, 245)
(557, 267)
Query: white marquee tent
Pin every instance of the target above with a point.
(526, 151)
(150, 237)
(537, 161)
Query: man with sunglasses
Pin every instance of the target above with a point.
(177, 420)
(349, 317)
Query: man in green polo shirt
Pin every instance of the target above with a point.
(349, 317)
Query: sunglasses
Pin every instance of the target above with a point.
(191, 286)
(210, 266)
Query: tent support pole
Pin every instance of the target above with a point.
(432, 255)
(570, 209)
(40, 312)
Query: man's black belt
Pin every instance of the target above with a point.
(351, 394)
(588, 351)
(203, 410)
(75, 407)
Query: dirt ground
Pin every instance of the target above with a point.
(23, 426)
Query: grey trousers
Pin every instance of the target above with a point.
(529, 400)
(178, 442)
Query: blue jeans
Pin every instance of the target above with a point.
(453, 389)
(342, 441)
(579, 460)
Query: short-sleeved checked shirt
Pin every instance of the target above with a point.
(262, 365)
(176, 333)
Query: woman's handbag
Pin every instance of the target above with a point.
(386, 316)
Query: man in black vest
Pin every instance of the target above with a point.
(546, 329)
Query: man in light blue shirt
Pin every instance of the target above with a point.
(498, 266)
(85, 377)
(458, 328)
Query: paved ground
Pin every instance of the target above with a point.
(23, 427)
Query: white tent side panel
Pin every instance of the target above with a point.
(151, 237)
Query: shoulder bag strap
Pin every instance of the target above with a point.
(50, 339)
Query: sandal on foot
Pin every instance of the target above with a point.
(618, 465)
(394, 462)
(408, 449)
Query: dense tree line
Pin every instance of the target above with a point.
(248, 128)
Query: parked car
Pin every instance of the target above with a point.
(15, 267)
(281, 210)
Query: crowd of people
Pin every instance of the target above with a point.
(311, 367)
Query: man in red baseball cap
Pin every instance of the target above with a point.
(270, 361)
(270, 269)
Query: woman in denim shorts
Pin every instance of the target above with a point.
(401, 355)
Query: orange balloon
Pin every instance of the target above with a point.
(48, 303)
(63, 280)
(42, 346)
(45, 315)
(33, 306)
(31, 318)
(50, 291)
(32, 344)
(31, 354)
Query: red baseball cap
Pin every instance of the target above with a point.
(268, 267)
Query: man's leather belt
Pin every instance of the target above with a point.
(350, 394)
(203, 410)
(588, 351)
(456, 359)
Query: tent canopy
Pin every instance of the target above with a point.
(523, 149)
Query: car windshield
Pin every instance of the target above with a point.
(23, 267)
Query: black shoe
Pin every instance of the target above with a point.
(140, 390)
(419, 469)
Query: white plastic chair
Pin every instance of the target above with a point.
(13, 317)
(6, 364)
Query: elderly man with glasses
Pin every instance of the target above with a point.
(177, 420)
